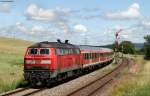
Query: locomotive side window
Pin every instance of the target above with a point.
(70, 51)
(44, 51)
(57, 51)
(62, 51)
(66, 51)
(33, 51)
(77, 51)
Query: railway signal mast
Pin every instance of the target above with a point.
(117, 44)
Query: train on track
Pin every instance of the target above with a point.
(47, 62)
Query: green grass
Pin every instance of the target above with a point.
(11, 62)
(134, 84)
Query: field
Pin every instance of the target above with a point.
(135, 81)
(11, 62)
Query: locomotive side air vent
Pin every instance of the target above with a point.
(58, 40)
(66, 41)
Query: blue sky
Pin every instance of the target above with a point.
(91, 22)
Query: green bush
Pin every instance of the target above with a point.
(127, 47)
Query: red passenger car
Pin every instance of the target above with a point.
(95, 56)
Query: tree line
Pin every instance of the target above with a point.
(127, 47)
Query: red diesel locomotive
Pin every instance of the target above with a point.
(47, 62)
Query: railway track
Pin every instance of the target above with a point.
(91, 88)
(22, 92)
(87, 90)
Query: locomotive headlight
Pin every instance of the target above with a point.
(45, 61)
(30, 61)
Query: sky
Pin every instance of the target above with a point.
(92, 22)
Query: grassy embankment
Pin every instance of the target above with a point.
(135, 82)
(11, 62)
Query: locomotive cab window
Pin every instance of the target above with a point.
(33, 51)
(44, 51)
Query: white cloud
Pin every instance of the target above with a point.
(40, 33)
(63, 26)
(145, 24)
(80, 28)
(21, 27)
(36, 13)
(132, 12)
(58, 17)
(33, 30)
(36, 29)
(117, 27)
(132, 33)
(5, 7)
(125, 36)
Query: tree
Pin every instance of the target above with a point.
(147, 47)
(147, 38)
(127, 47)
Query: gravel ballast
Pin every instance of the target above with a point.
(66, 88)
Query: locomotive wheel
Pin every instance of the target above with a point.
(32, 83)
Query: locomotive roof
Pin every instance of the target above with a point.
(52, 44)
